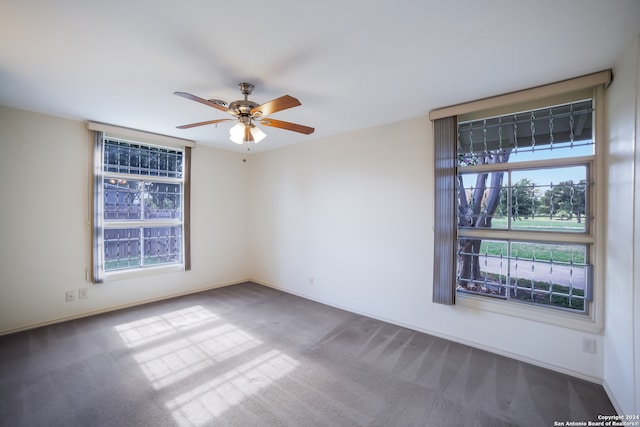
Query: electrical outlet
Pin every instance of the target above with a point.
(83, 293)
(589, 345)
(71, 296)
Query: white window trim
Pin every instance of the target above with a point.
(528, 95)
(140, 136)
(132, 273)
(156, 140)
(144, 223)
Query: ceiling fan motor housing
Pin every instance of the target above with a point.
(242, 107)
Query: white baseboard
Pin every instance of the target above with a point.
(612, 398)
(477, 345)
(118, 307)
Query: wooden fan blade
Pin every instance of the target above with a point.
(201, 101)
(209, 122)
(288, 126)
(276, 105)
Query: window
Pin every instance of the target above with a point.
(524, 182)
(515, 201)
(140, 206)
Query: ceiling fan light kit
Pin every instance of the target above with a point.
(236, 133)
(246, 112)
(257, 134)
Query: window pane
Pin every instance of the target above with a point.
(162, 201)
(130, 158)
(552, 274)
(121, 199)
(483, 266)
(141, 247)
(121, 248)
(546, 199)
(162, 245)
(543, 273)
(482, 200)
(552, 199)
(549, 133)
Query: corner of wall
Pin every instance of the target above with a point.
(622, 322)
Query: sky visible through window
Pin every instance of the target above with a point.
(547, 176)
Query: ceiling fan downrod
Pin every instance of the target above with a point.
(246, 89)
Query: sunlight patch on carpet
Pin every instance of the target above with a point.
(182, 357)
(207, 401)
(144, 331)
(195, 346)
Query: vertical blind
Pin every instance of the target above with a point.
(445, 131)
(96, 212)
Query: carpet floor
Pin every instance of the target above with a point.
(248, 355)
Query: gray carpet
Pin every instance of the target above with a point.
(247, 355)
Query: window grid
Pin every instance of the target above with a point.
(500, 153)
(124, 157)
(524, 204)
(560, 127)
(142, 205)
(560, 282)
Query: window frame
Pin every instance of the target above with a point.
(103, 132)
(446, 260)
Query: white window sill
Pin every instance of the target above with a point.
(141, 272)
(565, 319)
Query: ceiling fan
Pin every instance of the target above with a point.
(245, 112)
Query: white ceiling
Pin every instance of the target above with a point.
(352, 63)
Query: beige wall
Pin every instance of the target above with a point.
(622, 327)
(44, 238)
(354, 214)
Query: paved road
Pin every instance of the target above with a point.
(560, 275)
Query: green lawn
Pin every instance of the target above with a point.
(540, 223)
(541, 251)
